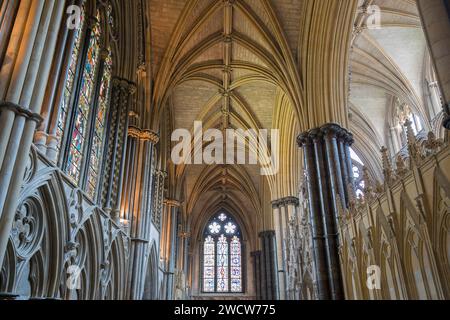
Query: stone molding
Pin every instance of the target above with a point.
(284, 202)
(20, 111)
(330, 130)
(172, 203)
(143, 134)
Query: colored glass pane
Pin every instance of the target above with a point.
(222, 264)
(222, 256)
(236, 269)
(209, 265)
(99, 130)
(68, 88)
(82, 112)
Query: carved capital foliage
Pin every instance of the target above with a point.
(172, 203)
(284, 202)
(143, 134)
(330, 131)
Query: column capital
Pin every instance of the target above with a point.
(286, 201)
(161, 173)
(124, 84)
(276, 204)
(267, 234)
(21, 111)
(294, 201)
(330, 130)
(172, 203)
(143, 134)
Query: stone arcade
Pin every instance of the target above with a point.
(93, 205)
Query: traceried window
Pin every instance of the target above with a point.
(82, 119)
(222, 256)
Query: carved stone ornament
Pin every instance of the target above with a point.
(28, 227)
(145, 135)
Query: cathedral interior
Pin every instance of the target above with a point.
(349, 201)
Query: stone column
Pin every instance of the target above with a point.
(269, 266)
(23, 76)
(8, 10)
(45, 137)
(436, 23)
(292, 262)
(284, 211)
(169, 235)
(160, 177)
(256, 258)
(116, 146)
(329, 171)
(137, 203)
(278, 214)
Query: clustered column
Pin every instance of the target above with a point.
(23, 76)
(256, 259)
(116, 148)
(45, 138)
(136, 206)
(328, 167)
(268, 268)
(284, 210)
(169, 236)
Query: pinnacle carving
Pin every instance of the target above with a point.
(389, 175)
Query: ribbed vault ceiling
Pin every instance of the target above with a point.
(228, 64)
(386, 63)
(245, 63)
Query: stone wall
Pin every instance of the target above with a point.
(395, 243)
(61, 245)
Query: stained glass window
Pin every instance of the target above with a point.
(99, 130)
(82, 119)
(236, 272)
(69, 86)
(222, 256)
(222, 264)
(209, 264)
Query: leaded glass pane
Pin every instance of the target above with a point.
(83, 109)
(68, 88)
(222, 256)
(99, 131)
(215, 228)
(222, 264)
(236, 265)
(209, 265)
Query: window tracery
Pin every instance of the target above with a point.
(222, 256)
(82, 119)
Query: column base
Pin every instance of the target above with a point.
(52, 148)
(40, 141)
